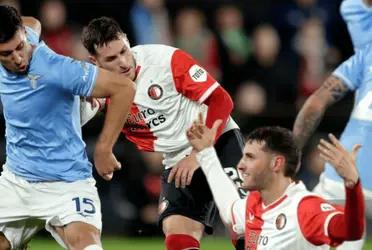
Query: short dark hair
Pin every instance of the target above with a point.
(100, 31)
(279, 140)
(10, 22)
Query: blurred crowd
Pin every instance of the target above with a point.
(269, 54)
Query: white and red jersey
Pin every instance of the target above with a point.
(298, 220)
(171, 89)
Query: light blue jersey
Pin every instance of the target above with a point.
(42, 116)
(356, 73)
(358, 17)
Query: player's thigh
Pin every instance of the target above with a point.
(68, 203)
(188, 210)
(16, 224)
(78, 235)
(18, 233)
(4, 242)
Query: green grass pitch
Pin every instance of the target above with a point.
(209, 243)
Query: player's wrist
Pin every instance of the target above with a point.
(352, 181)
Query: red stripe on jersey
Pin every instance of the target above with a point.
(137, 131)
(190, 79)
(253, 220)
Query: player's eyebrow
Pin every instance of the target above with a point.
(8, 52)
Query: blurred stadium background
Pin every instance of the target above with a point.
(269, 54)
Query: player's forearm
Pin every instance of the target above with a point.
(220, 106)
(33, 23)
(308, 120)
(349, 225)
(116, 115)
(223, 190)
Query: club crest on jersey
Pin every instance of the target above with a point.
(33, 80)
(197, 73)
(280, 221)
(163, 205)
(155, 92)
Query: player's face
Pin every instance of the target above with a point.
(15, 54)
(254, 166)
(116, 56)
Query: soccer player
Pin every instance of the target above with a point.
(352, 75)
(358, 16)
(47, 178)
(171, 89)
(279, 213)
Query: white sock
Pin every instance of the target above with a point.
(93, 247)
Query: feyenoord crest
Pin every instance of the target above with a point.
(155, 92)
(33, 80)
(280, 222)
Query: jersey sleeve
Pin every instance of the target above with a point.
(190, 79)
(314, 215)
(351, 71)
(78, 77)
(238, 216)
(32, 36)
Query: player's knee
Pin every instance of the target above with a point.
(4, 243)
(181, 242)
(83, 240)
(178, 224)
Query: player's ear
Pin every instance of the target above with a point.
(126, 41)
(93, 60)
(277, 163)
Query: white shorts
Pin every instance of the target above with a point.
(334, 192)
(25, 207)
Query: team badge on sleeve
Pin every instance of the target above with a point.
(280, 222)
(197, 73)
(155, 92)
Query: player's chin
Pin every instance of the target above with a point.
(249, 185)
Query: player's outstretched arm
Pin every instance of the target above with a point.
(33, 23)
(350, 224)
(121, 92)
(310, 115)
(223, 190)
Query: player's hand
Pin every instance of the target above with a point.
(342, 160)
(105, 162)
(183, 171)
(200, 136)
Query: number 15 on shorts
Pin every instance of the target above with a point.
(84, 205)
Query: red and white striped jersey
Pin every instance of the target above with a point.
(298, 220)
(171, 89)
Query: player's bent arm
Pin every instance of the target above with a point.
(349, 225)
(323, 223)
(220, 106)
(33, 23)
(223, 190)
(121, 92)
(311, 113)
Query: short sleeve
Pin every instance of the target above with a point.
(238, 216)
(314, 215)
(191, 79)
(32, 36)
(351, 71)
(78, 76)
